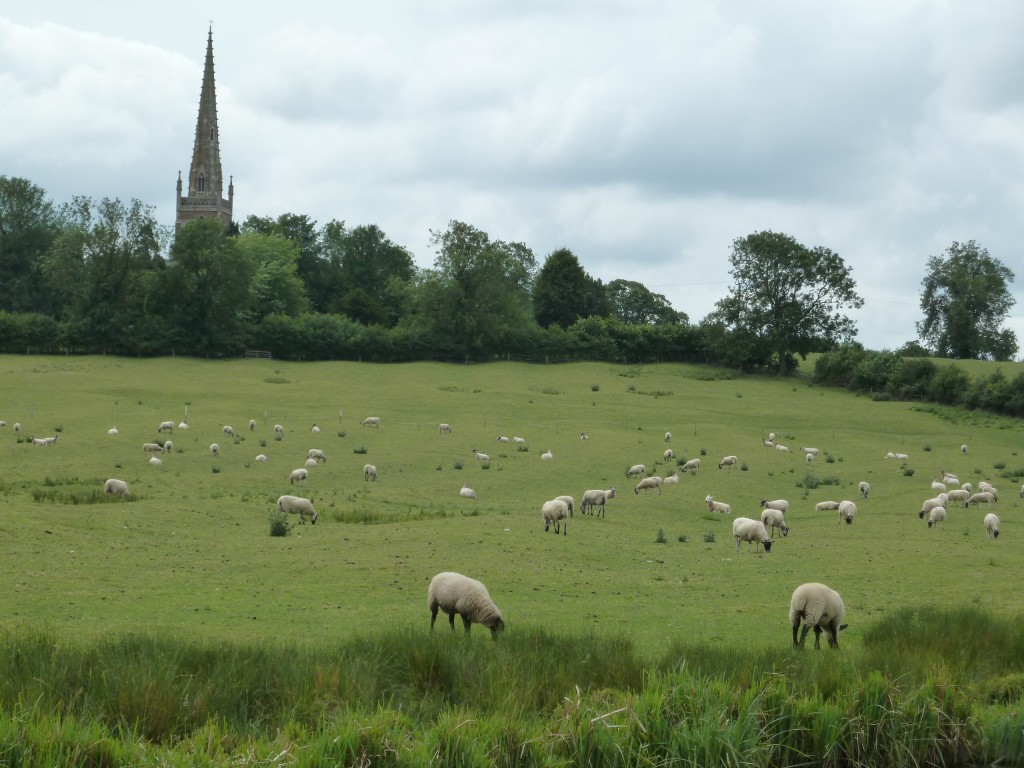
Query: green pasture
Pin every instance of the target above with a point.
(190, 553)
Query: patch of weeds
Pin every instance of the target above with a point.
(279, 525)
(908, 471)
(743, 467)
(709, 538)
(999, 465)
(595, 387)
(278, 436)
(551, 391)
(830, 459)
(522, 448)
(58, 428)
(631, 388)
(362, 449)
(1011, 474)
(660, 538)
(341, 433)
(458, 465)
(681, 538)
(263, 442)
(276, 380)
(739, 395)
(703, 451)
(215, 470)
(810, 482)
(485, 465)
(927, 447)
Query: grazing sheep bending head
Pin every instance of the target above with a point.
(454, 593)
(555, 513)
(116, 487)
(992, 525)
(819, 607)
(297, 505)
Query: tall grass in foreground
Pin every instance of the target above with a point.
(930, 688)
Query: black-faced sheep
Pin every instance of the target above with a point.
(369, 472)
(992, 525)
(928, 504)
(981, 497)
(479, 456)
(847, 511)
(745, 529)
(316, 454)
(819, 607)
(595, 498)
(728, 461)
(774, 518)
(636, 469)
(297, 505)
(935, 516)
(555, 513)
(454, 593)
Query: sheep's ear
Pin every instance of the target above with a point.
(843, 626)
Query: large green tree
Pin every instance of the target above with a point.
(786, 299)
(564, 293)
(28, 225)
(276, 285)
(636, 304)
(965, 300)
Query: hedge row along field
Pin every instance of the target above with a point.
(173, 628)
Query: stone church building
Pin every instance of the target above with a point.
(205, 177)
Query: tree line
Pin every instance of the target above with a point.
(104, 277)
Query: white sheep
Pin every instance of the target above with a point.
(112, 431)
(672, 479)
(467, 492)
(116, 487)
(937, 486)
(369, 472)
(693, 465)
(958, 494)
(17, 427)
(668, 455)
(517, 440)
(774, 518)
(982, 486)
(782, 448)
(547, 455)
(298, 476)
(929, 504)
(890, 455)
(647, 483)
(936, 515)
(771, 436)
(480, 456)
(717, 506)
(596, 498)
(826, 506)
(1022, 491)
(168, 446)
(310, 462)
(214, 450)
(768, 443)
(992, 525)
(229, 431)
(949, 478)
(555, 513)
(963, 449)
(155, 461)
(279, 429)
(252, 425)
(745, 529)
(810, 451)
(902, 456)
(183, 425)
(847, 511)
(297, 505)
(970, 488)
(165, 426)
(818, 607)
(780, 504)
(636, 469)
(865, 488)
(262, 458)
(315, 429)
(371, 421)
(502, 439)
(454, 593)
(808, 457)
(316, 455)
(2, 423)
(44, 440)
(444, 429)
(152, 448)
(570, 502)
(668, 437)
(981, 497)
(728, 461)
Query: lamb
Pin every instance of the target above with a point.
(263, 458)
(214, 450)
(668, 437)
(517, 440)
(970, 488)
(819, 607)
(316, 455)
(808, 457)
(371, 421)
(155, 461)
(717, 506)
(826, 506)
(502, 439)
(480, 456)
(229, 431)
(165, 426)
(847, 511)
(672, 479)
(745, 529)
(992, 525)
(810, 451)
(728, 461)
(981, 497)
(774, 518)
(297, 505)
(454, 593)
(152, 448)
(692, 465)
(636, 469)
(183, 425)
(647, 483)
(570, 502)
(369, 472)
(929, 504)
(780, 504)
(556, 513)
(547, 455)
(782, 448)
(667, 455)
(298, 476)
(116, 487)
(963, 449)
(595, 498)
(865, 488)
(936, 515)
(444, 429)
(112, 431)
(467, 492)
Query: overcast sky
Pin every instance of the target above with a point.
(644, 135)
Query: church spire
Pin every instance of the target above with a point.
(205, 177)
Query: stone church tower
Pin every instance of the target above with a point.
(205, 178)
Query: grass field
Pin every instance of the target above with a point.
(190, 554)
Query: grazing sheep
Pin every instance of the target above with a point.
(570, 502)
(502, 439)
(310, 462)
(168, 446)
(112, 431)
(847, 511)
(963, 449)
(819, 607)
(636, 469)
(155, 461)
(717, 506)
(116, 487)
(547, 455)
(826, 506)
(937, 486)
(768, 443)
(44, 440)
(808, 457)
(981, 497)
(865, 488)
(229, 431)
(152, 448)
(970, 488)
(316, 455)
(315, 429)
(298, 476)
(745, 529)
(672, 479)
(480, 456)
(936, 515)
(692, 465)
(467, 492)
(992, 525)
(593, 499)
(297, 505)
(902, 456)
(252, 425)
(371, 421)
(278, 429)
(584, 436)
(517, 440)
(555, 512)
(454, 593)
(369, 472)
(782, 448)
(183, 425)
(214, 450)
(263, 458)
(165, 426)
(890, 455)
(810, 451)
(647, 483)
(668, 437)
(949, 478)
(444, 429)
(958, 494)
(774, 518)
(780, 504)
(929, 504)
(982, 486)
(728, 461)
(17, 428)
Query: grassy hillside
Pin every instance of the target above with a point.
(190, 554)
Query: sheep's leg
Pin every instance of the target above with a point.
(451, 620)
(433, 617)
(796, 631)
(803, 634)
(833, 637)
(465, 622)
(817, 637)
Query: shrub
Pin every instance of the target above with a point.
(279, 525)
(926, 447)
(660, 538)
(908, 471)
(681, 538)
(361, 450)
(709, 538)
(595, 387)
